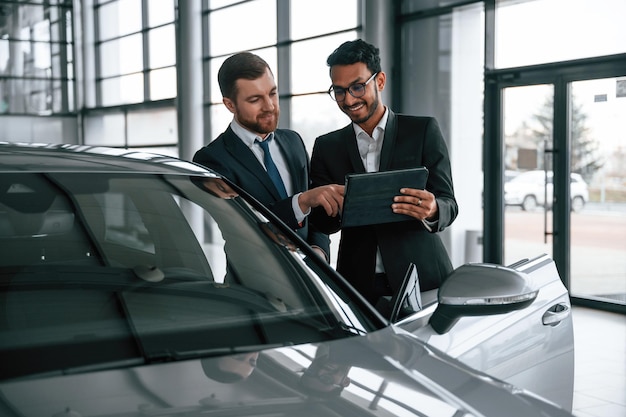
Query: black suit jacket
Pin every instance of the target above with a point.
(408, 142)
(229, 156)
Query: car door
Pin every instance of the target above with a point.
(521, 347)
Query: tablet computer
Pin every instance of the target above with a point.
(368, 197)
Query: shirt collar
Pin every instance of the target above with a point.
(245, 135)
(379, 130)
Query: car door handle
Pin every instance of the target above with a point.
(556, 314)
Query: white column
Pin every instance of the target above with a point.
(190, 79)
(378, 29)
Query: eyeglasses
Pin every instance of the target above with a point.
(356, 90)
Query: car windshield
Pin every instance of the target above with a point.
(102, 269)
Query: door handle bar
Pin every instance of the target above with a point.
(555, 314)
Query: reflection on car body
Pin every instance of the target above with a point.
(142, 284)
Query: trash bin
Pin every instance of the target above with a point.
(473, 246)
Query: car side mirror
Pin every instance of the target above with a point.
(480, 290)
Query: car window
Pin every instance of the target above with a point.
(118, 265)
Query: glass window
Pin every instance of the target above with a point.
(213, 67)
(32, 37)
(314, 115)
(163, 83)
(557, 30)
(269, 55)
(160, 12)
(54, 129)
(220, 118)
(10, 51)
(343, 15)
(41, 31)
(250, 32)
(162, 46)
(153, 127)
(123, 61)
(119, 18)
(597, 129)
(4, 56)
(122, 56)
(124, 90)
(42, 57)
(309, 71)
(105, 130)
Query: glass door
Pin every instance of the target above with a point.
(581, 223)
(528, 143)
(597, 131)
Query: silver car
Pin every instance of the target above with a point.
(136, 284)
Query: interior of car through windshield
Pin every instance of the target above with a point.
(103, 268)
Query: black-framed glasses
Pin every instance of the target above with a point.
(356, 90)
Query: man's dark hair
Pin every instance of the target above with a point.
(351, 52)
(244, 65)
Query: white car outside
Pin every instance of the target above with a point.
(530, 190)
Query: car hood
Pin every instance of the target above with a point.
(384, 373)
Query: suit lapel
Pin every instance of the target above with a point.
(240, 152)
(349, 138)
(389, 142)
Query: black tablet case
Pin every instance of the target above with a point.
(368, 197)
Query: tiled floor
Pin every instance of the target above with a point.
(600, 360)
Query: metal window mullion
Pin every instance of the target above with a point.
(63, 58)
(283, 50)
(561, 230)
(146, 49)
(98, 45)
(206, 64)
(493, 151)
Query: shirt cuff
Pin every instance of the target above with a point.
(300, 216)
(430, 226)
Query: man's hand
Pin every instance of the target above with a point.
(320, 252)
(330, 197)
(419, 204)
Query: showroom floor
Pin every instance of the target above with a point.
(600, 361)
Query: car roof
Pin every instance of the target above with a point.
(41, 157)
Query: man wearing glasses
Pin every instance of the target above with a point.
(374, 258)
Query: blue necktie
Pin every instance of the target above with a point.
(270, 166)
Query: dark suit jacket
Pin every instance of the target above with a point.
(229, 156)
(408, 142)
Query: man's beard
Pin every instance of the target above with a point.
(370, 111)
(258, 125)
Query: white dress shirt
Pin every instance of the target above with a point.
(248, 138)
(369, 148)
